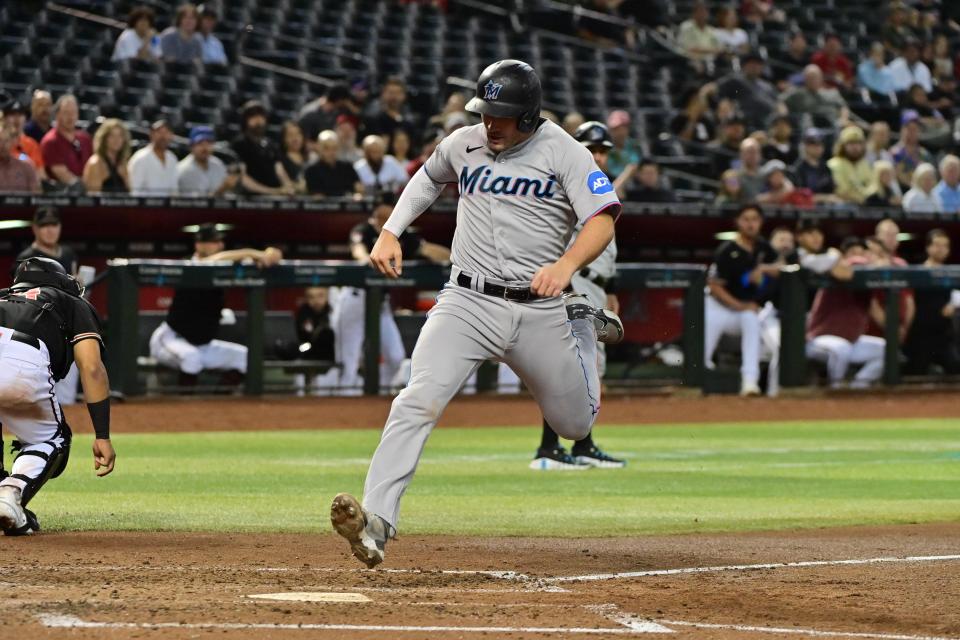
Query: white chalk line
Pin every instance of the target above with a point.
(613, 613)
(72, 622)
(817, 633)
(747, 567)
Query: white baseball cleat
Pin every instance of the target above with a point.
(12, 516)
(608, 324)
(749, 390)
(556, 459)
(367, 533)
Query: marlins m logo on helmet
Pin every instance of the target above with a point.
(492, 90)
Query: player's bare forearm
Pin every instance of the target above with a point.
(434, 252)
(266, 258)
(552, 279)
(93, 375)
(387, 257)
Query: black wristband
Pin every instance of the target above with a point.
(100, 417)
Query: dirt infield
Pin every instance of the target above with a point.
(223, 414)
(848, 581)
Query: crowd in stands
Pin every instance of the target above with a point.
(775, 130)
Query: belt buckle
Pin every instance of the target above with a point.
(516, 294)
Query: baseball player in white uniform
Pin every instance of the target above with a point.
(524, 185)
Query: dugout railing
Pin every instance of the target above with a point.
(127, 276)
(796, 284)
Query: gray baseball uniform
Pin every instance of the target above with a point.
(605, 266)
(516, 214)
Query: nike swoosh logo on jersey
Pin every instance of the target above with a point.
(472, 149)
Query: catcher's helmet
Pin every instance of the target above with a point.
(509, 89)
(46, 272)
(593, 134)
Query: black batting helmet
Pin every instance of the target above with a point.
(593, 134)
(509, 89)
(46, 272)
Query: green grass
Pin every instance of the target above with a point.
(685, 478)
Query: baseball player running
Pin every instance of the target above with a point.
(45, 325)
(595, 281)
(524, 184)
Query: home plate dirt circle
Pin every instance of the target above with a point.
(312, 596)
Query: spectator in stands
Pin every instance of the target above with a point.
(604, 31)
(695, 123)
(748, 169)
(942, 57)
(390, 112)
(811, 170)
(780, 142)
(259, 156)
(759, 11)
(756, 97)
(153, 169)
(460, 119)
(777, 188)
(399, 146)
(41, 113)
(944, 95)
(181, 42)
(896, 32)
(731, 191)
(377, 171)
(65, 148)
(650, 186)
(792, 60)
(740, 272)
(885, 189)
(24, 147)
(431, 138)
(873, 72)
(932, 338)
(347, 135)
(203, 174)
(46, 241)
(328, 175)
(908, 154)
(726, 147)
(837, 68)
(878, 142)
(624, 157)
(732, 39)
(948, 189)
(697, 38)
(572, 121)
(455, 103)
(186, 340)
(935, 131)
(321, 114)
(922, 196)
(16, 175)
(315, 337)
(909, 70)
(294, 156)
(837, 326)
(213, 52)
(851, 172)
(139, 39)
(818, 101)
(106, 170)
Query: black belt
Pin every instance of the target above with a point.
(596, 279)
(19, 336)
(514, 294)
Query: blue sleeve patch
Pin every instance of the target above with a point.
(599, 183)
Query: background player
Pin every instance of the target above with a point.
(524, 184)
(45, 325)
(596, 282)
(349, 323)
(186, 341)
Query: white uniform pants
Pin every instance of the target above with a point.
(719, 321)
(838, 354)
(170, 349)
(770, 341)
(349, 329)
(29, 410)
(67, 388)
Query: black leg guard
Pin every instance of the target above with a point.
(56, 463)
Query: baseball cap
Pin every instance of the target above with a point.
(13, 106)
(618, 118)
(455, 120)
(908, 116)
(807, 224)
(252, 108)
(201, 134)
(351, 119)
(771, 166)
(208, 232)
(812, 134)
(46, 216)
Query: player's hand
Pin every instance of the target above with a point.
(103, 457)
(613, 303)
(550, 281)
(270, 257)
(387, 256)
